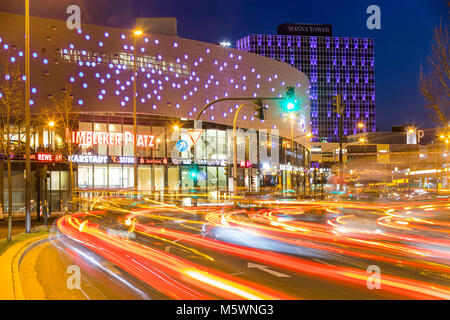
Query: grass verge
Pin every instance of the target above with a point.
(36, 232)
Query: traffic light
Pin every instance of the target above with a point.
(291, 102)
(338, 103)
(260, 110)
(193, 173)
(226, 170)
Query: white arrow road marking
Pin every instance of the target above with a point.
(167, 249)
(320, 261)
(108, 265)
(266, 269)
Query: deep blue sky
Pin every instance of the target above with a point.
(400, 46)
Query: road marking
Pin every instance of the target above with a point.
(266, 269)
(167, 248)
(320, 261)
(109, 266)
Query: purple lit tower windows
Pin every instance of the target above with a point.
(334, 65)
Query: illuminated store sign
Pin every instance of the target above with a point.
(95, 159)
(122, 160)
(88, 159)
(111, 138)
(245, 164)
(212, 162)
(48, 157)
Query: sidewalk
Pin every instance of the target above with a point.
(10, 260)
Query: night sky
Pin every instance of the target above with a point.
(400, 46)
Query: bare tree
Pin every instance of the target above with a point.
(11, 114)
(65, 121)
(435, 79)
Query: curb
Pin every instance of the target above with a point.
(9, 267)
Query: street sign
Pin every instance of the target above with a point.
(195, 135)
(182, 145)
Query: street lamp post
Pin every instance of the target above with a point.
(135, 34)
(157, 141)
(27, 120)
(446, 139)
(292, 117)
(446, 167)
(235, 150)
(51, 124)
(363, 127)
(304, 176)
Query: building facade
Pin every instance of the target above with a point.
(174, 79)
(334, 65)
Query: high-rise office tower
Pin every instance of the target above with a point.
(334, 65)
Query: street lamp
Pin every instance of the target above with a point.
(362, 126)
(27, 121)
(136, 33)
(51, 124)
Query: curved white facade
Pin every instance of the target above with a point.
(176, 77)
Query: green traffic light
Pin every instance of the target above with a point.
(291, 103)
(193, 173)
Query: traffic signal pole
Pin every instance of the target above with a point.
(341, 134)
(340, 107)
(339, 104)
(257, 101)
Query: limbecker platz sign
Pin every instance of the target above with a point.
(111, 138)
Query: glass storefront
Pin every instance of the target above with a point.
(109, 176)
(161, 166)
(265, 160)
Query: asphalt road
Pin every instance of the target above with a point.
(128, 249)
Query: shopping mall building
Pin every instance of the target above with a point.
(175, 78)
